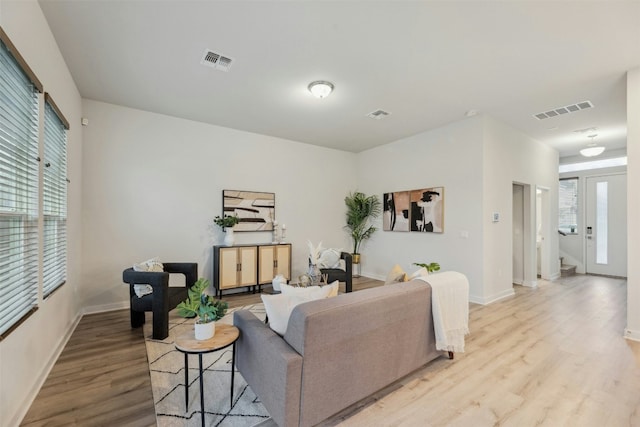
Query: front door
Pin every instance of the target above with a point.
(606, 225)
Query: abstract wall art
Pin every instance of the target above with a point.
(256, 210)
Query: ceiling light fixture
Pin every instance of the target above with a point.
(320, 88)
(592, 149)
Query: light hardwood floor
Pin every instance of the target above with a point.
(548, 356)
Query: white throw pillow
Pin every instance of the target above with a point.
(279, 308)
(152, 264)
(308, 293)
(421, 272)
(396, 274)
(330, 258)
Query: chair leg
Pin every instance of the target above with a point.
(137, 318)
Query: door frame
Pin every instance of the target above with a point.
(583, 206)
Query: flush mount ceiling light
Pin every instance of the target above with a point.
(592, 149)
(320, 88)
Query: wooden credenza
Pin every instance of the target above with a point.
(249, 265)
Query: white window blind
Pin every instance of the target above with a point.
(568, 206)
(54, 201)
(18, 191)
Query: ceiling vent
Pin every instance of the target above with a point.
(216, 60)
(378, 114)
(564, 110)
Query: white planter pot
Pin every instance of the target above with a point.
(229, 238)
(204, 331)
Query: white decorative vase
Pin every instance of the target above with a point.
(229, 238)
(204, 331)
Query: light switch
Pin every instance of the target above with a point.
(496, 217)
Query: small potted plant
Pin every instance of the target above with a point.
(431, 267)
(205, 307)
(226, 223)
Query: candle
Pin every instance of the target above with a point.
(275, 223)
(284, 226)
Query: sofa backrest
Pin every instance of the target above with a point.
(355, 344)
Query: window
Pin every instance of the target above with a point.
(54, 198)
(568, 206)
(18, 187)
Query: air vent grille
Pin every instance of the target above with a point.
(573, 108)
(216, 60)
(378, 114)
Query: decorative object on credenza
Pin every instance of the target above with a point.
(361, 210)
(283, 233)
(227, 223)
(205, 307)
(256, 210)
(314, 273)
(431, 267)
(275, 232)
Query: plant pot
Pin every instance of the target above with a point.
(204, 331)
(355, 260)
(229, 238)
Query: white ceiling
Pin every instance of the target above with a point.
(425, 62)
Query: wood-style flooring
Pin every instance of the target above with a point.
(552, 356)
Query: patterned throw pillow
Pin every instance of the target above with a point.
(330, 258)
(152, 264)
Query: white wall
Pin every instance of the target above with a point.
(29, 352)
(153, 184)
(476, 161)
(633, 204)
(510, 156)
(448, 157)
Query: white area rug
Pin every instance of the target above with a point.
(166, 366)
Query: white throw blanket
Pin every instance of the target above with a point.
(450, 307)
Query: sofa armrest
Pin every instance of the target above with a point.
(270, 366)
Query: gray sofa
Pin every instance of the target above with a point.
(336, 351)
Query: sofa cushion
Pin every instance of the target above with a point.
(421, 272)
(396, 274)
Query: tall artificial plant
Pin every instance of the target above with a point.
(361, 210)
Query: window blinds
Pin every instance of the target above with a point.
(18, 192)
(568, 206)
(54, 201)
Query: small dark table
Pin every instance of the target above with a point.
(225, 336)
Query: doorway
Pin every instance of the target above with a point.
(543, 233)
(606, 225)
(518, 234)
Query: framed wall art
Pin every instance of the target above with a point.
(395, 214)
(427, 210)
(256, 210)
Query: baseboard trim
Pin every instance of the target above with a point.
(33, 393)
(632, 335)
(530, 283)
(554, 276)
(493, 298)
(105, 307)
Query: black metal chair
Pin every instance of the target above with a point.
(339, 274)
(164, 297)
